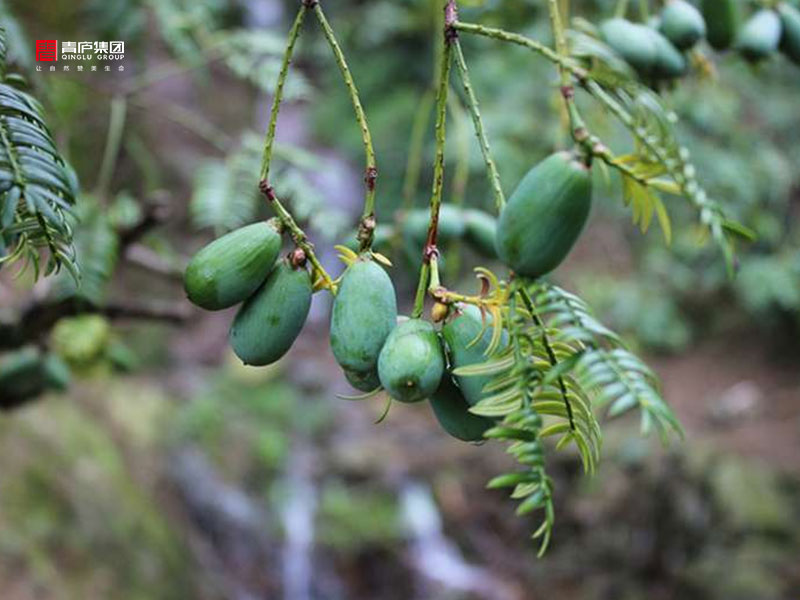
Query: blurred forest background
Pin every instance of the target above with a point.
(166, 470)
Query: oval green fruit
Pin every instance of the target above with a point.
(451, 224)
(364, 382)
(790, 37)
(364, 313)
(229, 269)
(722, 19)
(411, 362)
(467, 341)
(760, 35)
(21, 377)
(682, 24)
(670, 63)
(270, 320)
(633, 42)
(452, 412)
(545, 215)
(480, 232)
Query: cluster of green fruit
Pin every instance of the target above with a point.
(655, 50)
(410, 358)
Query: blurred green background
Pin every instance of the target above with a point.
(168, 470)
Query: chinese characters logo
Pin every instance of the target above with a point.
(83, 55)
(47, 50)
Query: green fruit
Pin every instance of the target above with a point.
(481, 229)
(467, 341)
(682, 24)
(82, 341)
(364, 313)
(365, 382)
(229, 269)
(268, 323)
(722, 21)
(21, 376)
(452, 412)
(670, 63)
(545, 215)
(633, 42)
(760, 36)
(790, 38)
(451, 224)
(411, 362)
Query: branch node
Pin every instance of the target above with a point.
(309, 3)
(297, 258)
(265, 188)
(450, 19)
(430, 251)
(370, 176)
(366, 229)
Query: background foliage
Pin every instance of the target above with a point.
(95, 494)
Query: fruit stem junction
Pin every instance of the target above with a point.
(299, 238)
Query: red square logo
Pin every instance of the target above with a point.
(47, 50)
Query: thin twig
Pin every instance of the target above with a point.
(298, 236)
(367, 225)
(480, 132)
(269, 142)
(430, 249)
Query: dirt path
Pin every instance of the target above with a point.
(735, 395)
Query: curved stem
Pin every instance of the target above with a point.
(297, 234)
(480, 132)
(371, 168)
(521, 40)
(578, 129)
(269, 142)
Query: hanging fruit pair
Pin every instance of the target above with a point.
(413, 366)
(241, 267)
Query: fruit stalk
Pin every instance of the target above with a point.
(577, 127)
(269, 142)
(448, 36)
(298, 236)
(480, 132)
(521, 40)
(367, 225)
